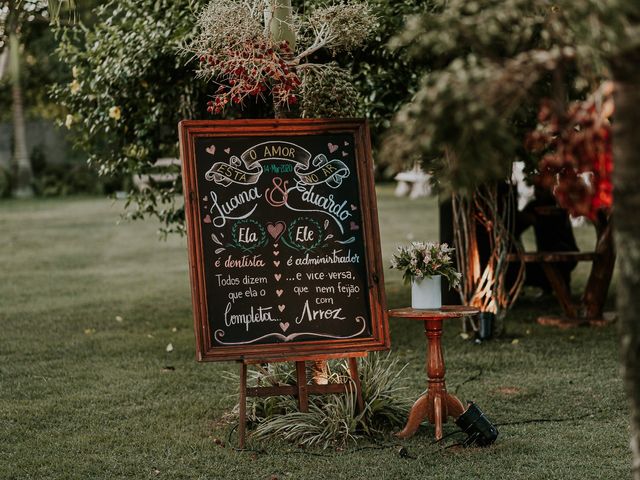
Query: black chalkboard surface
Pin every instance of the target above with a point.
(283, 239)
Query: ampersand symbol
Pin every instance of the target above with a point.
(278, 186)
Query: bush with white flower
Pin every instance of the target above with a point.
(426, 259)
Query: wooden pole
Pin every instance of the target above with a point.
(353, 373)
(243, 405)
(301, 378)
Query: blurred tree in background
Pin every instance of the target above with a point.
(492, 63)
(14, 15)
(28, 68)
(128, 91)
(386, 78)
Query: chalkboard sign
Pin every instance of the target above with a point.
(283, 238)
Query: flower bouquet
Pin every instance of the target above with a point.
(423, 265)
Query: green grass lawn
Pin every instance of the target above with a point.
(88, 307)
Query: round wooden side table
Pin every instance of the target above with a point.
(436, 404)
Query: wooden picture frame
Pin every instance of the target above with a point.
(214, 149)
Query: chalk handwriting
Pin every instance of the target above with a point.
(224, 210)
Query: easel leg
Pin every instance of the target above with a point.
(353, 371)
(243, 405)
(301, 379)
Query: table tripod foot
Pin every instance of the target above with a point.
(416, 415)
(437, 416)
(455, 408)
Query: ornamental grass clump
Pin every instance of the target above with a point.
(332, 420)
(424, 260)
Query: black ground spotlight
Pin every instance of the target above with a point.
(479, 429)
(486, 322)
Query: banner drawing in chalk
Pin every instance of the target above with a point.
(247, 169)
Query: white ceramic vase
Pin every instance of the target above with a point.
(425, 293)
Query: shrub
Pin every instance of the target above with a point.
(129, 89)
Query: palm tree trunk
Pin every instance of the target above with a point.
(279, 22)
(626, 148)
(24, 174)
(5, 162)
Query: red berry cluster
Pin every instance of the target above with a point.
(250, 70)
(578, 159)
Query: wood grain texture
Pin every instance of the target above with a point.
(447, 311)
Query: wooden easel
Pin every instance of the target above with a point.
(301, 390)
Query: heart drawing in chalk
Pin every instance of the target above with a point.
(276, 263)
(207, 219)
(281, 308)
(344, 154)
(277, 276)
(353, 207)
(276, 253)
(279, 292)
(332, 147)
(354, 226)
(284, 326)
(276, 229)
(205, 199)
(211, 150)
(227, 150)
(346, 143)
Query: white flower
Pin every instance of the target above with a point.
(115, 113)
(68, 121)
(74, 86)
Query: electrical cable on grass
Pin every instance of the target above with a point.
(517, 422)
(470, 379)
(435, 442)
(545, 420)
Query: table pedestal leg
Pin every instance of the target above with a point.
(434, 407)
(436, 404)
